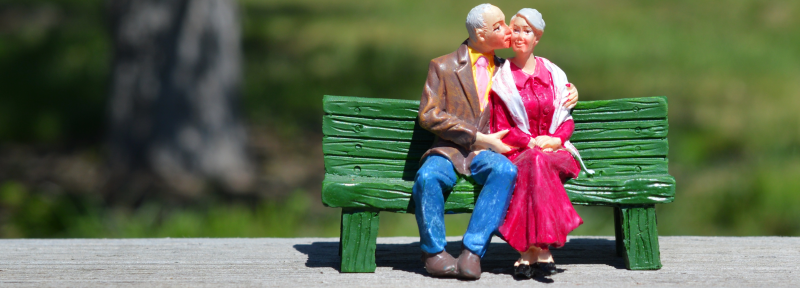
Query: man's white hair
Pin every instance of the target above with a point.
(533, 17)
(475, 19)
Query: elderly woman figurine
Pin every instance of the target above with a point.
(529, 96)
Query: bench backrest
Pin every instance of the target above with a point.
(372, 137)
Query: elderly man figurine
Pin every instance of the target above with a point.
(454, 108)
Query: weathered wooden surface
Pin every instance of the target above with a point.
(394, 149)
(623, 149)
(313, 262)
(602, 110)
(367, 128)
(384, 194)
(358, 127)
(359, 230)
(405, 169)
(639, 237)
(379, 139)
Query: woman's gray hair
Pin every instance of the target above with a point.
(533, 17)
(475, 19)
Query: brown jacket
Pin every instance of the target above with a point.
(450, 108)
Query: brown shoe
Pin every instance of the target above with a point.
(545, 268)
(441, 264)
(469, 265)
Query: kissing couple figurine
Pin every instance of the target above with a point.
(505, 123)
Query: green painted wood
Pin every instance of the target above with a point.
(394, 195)
(620, 245)
(375, 108)
(370, 167)
(394, 149)
(620, 109)
(355, 127)
(623, 148)
(639, 129)
(406, 169)
(359, 233)
(585, 111)
(640, 237)
(648, 189)
(387, 194)
(628, 166)
(372, 148)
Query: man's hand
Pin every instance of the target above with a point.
(493, 141)
(572, 98)
(547, 143)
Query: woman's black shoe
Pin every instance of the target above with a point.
(545, 269)
(523, 271)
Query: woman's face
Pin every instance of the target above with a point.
(523, 37)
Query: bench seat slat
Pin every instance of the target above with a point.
(602, 110)
(366, 128)
(394, 149)
(406, 169)
(394, 195)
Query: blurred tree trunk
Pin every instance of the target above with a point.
(174, 109)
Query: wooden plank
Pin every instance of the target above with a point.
(643, 129)
(388, 194)
(646, 189)
(370, 167)
(406, 169)
(370, 107)
(367, 128)
(355, 127)
(394, 149)
(358, 240)
(621, 109)
(623, 148)
(640, 237)
(394, 195)
(618, 237)
(374, 148)
(716, 261)
(585, 111)
(628, 166)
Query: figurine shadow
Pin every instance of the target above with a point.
(421, 140)
(499, 257)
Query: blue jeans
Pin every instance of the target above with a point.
(437, 175)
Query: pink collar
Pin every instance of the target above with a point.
(541, 74)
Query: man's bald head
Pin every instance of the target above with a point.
(487, 28)
(475, 18)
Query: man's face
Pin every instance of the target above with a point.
(496, 34)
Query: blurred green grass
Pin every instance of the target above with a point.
(730, 70)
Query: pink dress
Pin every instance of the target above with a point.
(540, 212)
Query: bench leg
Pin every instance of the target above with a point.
(359, 233)
(636, 228)
(617, 232)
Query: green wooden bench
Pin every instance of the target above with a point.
(372, 149)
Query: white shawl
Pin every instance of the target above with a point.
(503, 84)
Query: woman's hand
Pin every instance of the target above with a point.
(547, 143)
(532, 143)
(572, 98)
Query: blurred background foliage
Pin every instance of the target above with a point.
(730, 70)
